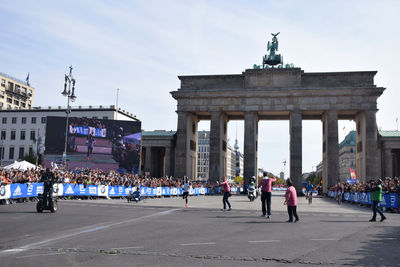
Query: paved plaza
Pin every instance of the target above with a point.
(162, 232)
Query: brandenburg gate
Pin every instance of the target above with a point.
(278, 94)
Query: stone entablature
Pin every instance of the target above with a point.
(273, 93)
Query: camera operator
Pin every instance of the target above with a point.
(48, 179)
(376, 197)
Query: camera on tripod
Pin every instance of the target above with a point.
(46, 199)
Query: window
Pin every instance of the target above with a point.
(23, 104)
(9, 100)
(4, 120)
(16, 102)
(14, 120)
(22, 135)
(23, 120)
(10, 86)
(2, 94)
(21, 152)
(3, 134)
(33, 120)
(2, 152)
(11, 153)
(33, 135)
(30, 150)
(3, 82)
(43, 120)
(13, 135)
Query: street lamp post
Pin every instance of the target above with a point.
(70, 94)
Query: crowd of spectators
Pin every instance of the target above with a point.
(97, 177)
(389, 185)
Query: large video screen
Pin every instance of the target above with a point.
(94, 143)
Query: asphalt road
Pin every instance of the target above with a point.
(162, 232)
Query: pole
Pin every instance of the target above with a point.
(70, 95)
(66, 135)
(37, 148)
(116, 115)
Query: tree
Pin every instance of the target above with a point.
(313, 178)
(31, 157)
(238, 180)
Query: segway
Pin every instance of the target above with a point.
(46, 200)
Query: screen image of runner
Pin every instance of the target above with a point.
(94, 143)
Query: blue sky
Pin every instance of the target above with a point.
(142, 46)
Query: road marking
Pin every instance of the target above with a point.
(128, 248)
(264, 241)
(76, 232)
(324, 239)
(37, 255)
(94, 229)
(198, 244)
(333, 215)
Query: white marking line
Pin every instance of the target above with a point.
(129, 248)
(198, 244)
(333, 215)
(349, 215)
(85, 230)
(37, 255)
(264, 241)
(324, 239)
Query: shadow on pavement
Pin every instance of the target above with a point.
(347, 221)
(16, 212)
(382, 250)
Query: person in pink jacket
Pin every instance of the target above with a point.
(266, 186)
(227, 193)
(291, 201)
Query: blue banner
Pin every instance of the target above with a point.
(388, 200)
(18, 190)
(33, 189)
(69, 189)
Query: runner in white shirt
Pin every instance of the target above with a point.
(186, 188)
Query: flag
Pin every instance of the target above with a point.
(27, 79)
(344, 128)
(352, 173)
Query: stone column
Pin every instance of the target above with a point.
(295, 129)
(167, 169)
(368, 166)
(218, 143)
(330, 149)
(250, 146)
(186, 146)
(147, 162)
(372, 166)
(388, 162)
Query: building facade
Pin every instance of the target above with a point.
(347, 156)
(24, 130)
(230, 163)
(15, 93)
(203, 155)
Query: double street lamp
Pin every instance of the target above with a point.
(70, 94)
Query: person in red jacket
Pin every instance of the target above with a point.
(227, 193)
(266, 185)
(291, 201)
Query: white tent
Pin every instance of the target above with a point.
(20, 165)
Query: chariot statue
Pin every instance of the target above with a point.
(272, 59)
